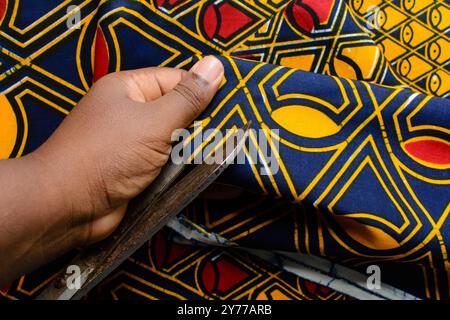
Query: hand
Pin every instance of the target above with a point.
(109, 149)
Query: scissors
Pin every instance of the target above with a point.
(170, 193)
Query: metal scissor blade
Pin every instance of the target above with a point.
(98, 261)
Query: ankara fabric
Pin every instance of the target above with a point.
(357, 89)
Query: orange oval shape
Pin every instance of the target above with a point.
(344, 69)
(409, 4)
(380, 18)
(430, 150)
(357, 5)
(305, 121)
(436, 17)
(369, 236)
(405, 67)
(8, 128)
(407, 34)
(434, 51)
(434, 83)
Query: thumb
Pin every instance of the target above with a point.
(179, 107)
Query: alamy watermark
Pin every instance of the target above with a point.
(74, 17)
(375, 17)
(373, 281)
(261, 148)
(73, 277)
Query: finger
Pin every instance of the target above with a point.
(148, 84)
(105, 225)
(189, 98)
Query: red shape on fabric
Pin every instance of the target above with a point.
(159, 248)
(232, 20)
(322, 8)
(311, 286)
(210, 21)
(222, 275)
(302, 18)
(432, 151)
(230, 275)
(246, 56)
(324, 290)
(161, 3)
(166, 252)
(209, 277)
(178, 251)
(316, 288)
(3, 5)
(101, 56)
(6, 288)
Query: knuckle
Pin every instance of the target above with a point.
(192, 93)
(113, 76)
(107, 79)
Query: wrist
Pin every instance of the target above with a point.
(55, 204)
(37, 224)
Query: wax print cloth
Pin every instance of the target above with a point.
(358, 93)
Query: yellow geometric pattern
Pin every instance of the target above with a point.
(413, 36)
